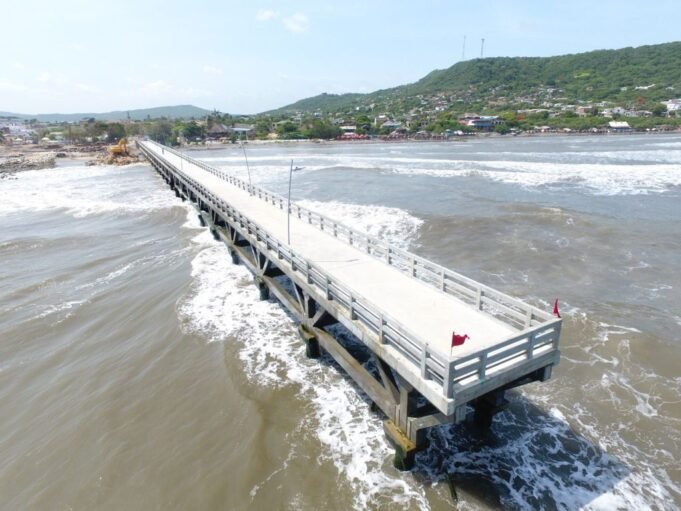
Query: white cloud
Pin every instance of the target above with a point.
(265, 14)
(155, 87)
(194, 93)
(212, 70)
(84, 87)
(52, 79)
(10, 86)
(297, 23)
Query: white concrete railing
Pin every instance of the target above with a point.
(454, 374)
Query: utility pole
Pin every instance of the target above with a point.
(482, 47)
(463, 50)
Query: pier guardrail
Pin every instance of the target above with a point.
(538, 331)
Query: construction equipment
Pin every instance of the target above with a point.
(120, 149)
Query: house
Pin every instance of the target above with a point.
(484, 122)
(217, 131)
(619, 126)
(391, 125)
(673, 105)
(246, 130)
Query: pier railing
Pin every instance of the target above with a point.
(538, 331)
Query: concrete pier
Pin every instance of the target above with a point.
(403, 308)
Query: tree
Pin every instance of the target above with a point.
(322, 129)
(115, 131)
(659, 110)
(192, 131)
(162, 132)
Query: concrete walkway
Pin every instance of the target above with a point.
(425, 311)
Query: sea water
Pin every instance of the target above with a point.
(138, 369)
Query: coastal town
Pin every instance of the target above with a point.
(437, 116)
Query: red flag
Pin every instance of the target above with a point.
(556, 312)
(458, 340)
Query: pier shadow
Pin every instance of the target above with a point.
(528, 459)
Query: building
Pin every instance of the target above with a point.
(619, 126)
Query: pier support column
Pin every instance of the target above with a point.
(405, 449)
(311, 342)
(234, 255)
(263, 289)
(202, 221)
(486, 407)
(397, 429)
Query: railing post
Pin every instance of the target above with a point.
(446, 379)
(483, 365)
(530, 346)
(478, 299)
(381, 324)
(424, 362)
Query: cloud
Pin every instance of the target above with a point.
(265, 14)
(155, 87)
(211, 70)
(194, 93)
(84, 87)
(297, 23)
(52, 79)
(10, 86)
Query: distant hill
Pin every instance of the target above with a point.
(602, 75)
(174, 112)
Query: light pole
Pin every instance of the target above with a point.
(248, 169)
(288, 207)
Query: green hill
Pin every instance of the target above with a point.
(174, 112)
(602, 75)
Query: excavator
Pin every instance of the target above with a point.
(120, 149)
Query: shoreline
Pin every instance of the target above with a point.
(458, 139)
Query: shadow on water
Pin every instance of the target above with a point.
(528, 459)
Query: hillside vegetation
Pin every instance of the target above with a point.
(617, 76)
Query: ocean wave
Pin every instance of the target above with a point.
(223, 306)
(84, 191)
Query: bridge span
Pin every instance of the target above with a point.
(402, 307)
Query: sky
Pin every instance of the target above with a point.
(245, 57)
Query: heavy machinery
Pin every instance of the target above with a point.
(120, 149)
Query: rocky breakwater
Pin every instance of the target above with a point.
(12, 163)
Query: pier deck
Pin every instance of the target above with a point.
(403, 307)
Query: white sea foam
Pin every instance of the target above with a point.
(619, 172)
(223, 305)
(82, 191)
(388, 223)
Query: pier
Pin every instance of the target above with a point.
(403, 308)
